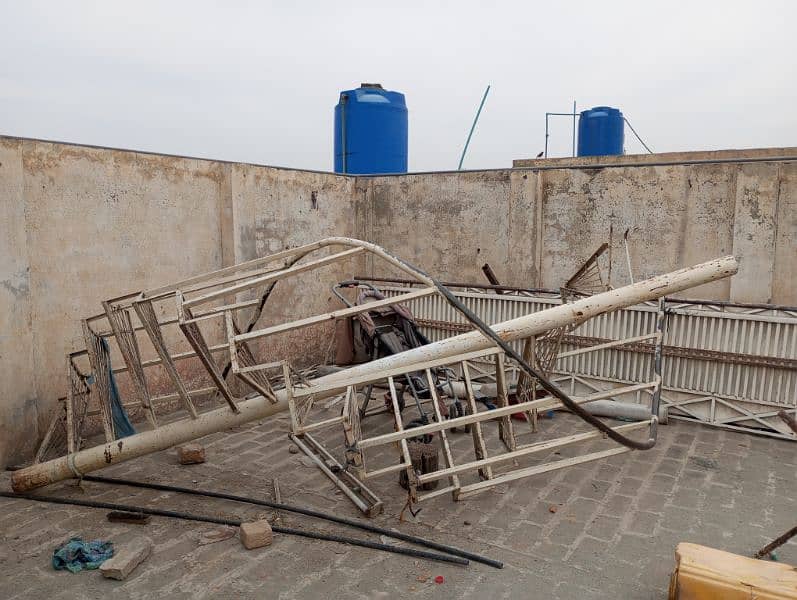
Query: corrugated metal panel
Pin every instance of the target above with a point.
(756, 364)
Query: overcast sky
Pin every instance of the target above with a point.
(257, 81)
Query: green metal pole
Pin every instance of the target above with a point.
(472, 127)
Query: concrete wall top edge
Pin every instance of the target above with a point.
(11, 138)
(740, 154)
(627, 160)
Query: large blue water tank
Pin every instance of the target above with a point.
(370, 131)
(601, 132)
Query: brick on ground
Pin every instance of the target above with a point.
(256, 534)
(191, 454)
(127, 559)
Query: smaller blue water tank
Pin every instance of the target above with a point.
(601, 132)
(370, 131)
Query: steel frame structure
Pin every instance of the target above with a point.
(356, 442)
(216, 298)
(728, 365)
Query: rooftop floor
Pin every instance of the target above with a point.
(612, 535)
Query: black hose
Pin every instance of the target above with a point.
(304, 511)
(568, 402)
(549, 387)
(236, 523)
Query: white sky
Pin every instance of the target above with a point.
(257, 81)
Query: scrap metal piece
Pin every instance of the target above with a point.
(776, 543)
(101, 367)
(362, 497)
(124, 516)
(784, 416)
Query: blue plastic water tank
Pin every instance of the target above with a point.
(601, 132)
(370, 131)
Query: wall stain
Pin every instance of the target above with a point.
(18, 285)
(751, 200)
(48, 157)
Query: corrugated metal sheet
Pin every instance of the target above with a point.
(726, 366)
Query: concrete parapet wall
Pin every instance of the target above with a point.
(83, 224)
(535, 226)
(734, 155)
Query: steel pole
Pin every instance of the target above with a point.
(574, 128)
(472, 127)
(91, 459)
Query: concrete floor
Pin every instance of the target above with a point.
(612, 534)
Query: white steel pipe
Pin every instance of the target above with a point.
(256, 408)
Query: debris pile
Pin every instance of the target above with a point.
(229, 303)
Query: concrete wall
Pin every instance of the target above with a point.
(536, 225)
(732, 155)
(18, 402)
(278, 209)
(83, 224)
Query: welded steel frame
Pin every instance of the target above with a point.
(256, 407)
(356, 442)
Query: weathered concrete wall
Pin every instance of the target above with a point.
(450, 223)
(104, 223)
(675, 216)
(784, 284)
(82, 224)
(87, 224)
(18, 406)
(277, 209)
(535, 226)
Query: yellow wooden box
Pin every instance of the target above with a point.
(703, 573)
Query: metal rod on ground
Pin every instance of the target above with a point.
(776, 543)
(472, 127)
(171, 434)
(359, 503)
(303, 511)
(236, 523)
(277, 494)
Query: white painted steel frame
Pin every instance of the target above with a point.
(250, 409)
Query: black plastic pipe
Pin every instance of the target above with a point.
(304, 511)
(236, 523)
(542, 381)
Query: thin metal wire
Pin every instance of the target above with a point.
(637, 135)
